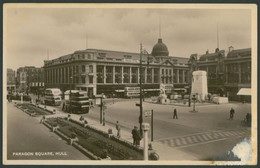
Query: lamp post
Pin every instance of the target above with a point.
(70, 94)
(141, 95)
(101, 108)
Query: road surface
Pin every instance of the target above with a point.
(27, 139)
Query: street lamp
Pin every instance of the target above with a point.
(141, 94)
(70, 94)
(141, 102)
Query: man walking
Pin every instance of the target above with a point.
(175, 114)
(118, 129)
(232, 112)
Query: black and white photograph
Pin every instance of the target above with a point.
(138, 84)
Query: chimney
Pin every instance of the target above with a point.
(231, 48)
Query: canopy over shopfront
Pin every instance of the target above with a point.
(244, 91)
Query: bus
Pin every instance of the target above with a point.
(52, 96)
(79, 102)
(131, 92)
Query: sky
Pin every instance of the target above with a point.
(31, 33)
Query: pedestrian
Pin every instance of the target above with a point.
(175, 114)
(136, 136)
(118, 129)
(248, 119)
(232, 112)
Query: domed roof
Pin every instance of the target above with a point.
(160, 49)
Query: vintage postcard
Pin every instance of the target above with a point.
(120, 84)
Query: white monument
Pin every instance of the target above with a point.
(162, 98)
(199, 84)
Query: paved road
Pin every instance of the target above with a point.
(27, 139)
(205, 134)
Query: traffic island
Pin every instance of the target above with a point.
(33, 110)
(93, 142)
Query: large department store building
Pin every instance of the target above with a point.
(103, 71)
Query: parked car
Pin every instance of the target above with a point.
(18, 97)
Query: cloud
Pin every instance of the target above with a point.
(31, 31)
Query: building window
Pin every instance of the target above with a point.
(102, 54)
(128, 56)
(83, 80)
(83, 68)
(89, 56)
(163, 71)
(90, 68)
(77, 69)
(90, 79)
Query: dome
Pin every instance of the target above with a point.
(160, 49)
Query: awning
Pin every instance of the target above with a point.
(244, 91)
(119, 90)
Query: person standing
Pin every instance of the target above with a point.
(232, 112)
(118, 129)
(138, 137)
(175, 114)
(134, 135)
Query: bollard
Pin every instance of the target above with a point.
(21, 98)
(145, 127)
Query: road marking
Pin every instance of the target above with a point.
(220, 134)
(200, 138)
(189, 139)
(171, 143)
(226, 134)
(202, 143)
(178, 142)
(205, 137)
(194, 138)
(233, 133)
(183, 140)
(230, 133)
(208, 135)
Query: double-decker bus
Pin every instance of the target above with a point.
(132, 92)
(135, 91)
(79, 101)
(52, 96)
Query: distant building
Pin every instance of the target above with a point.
(11, 83)
(238, 71)
(30, 79)
(103, 71)
(226, 73)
